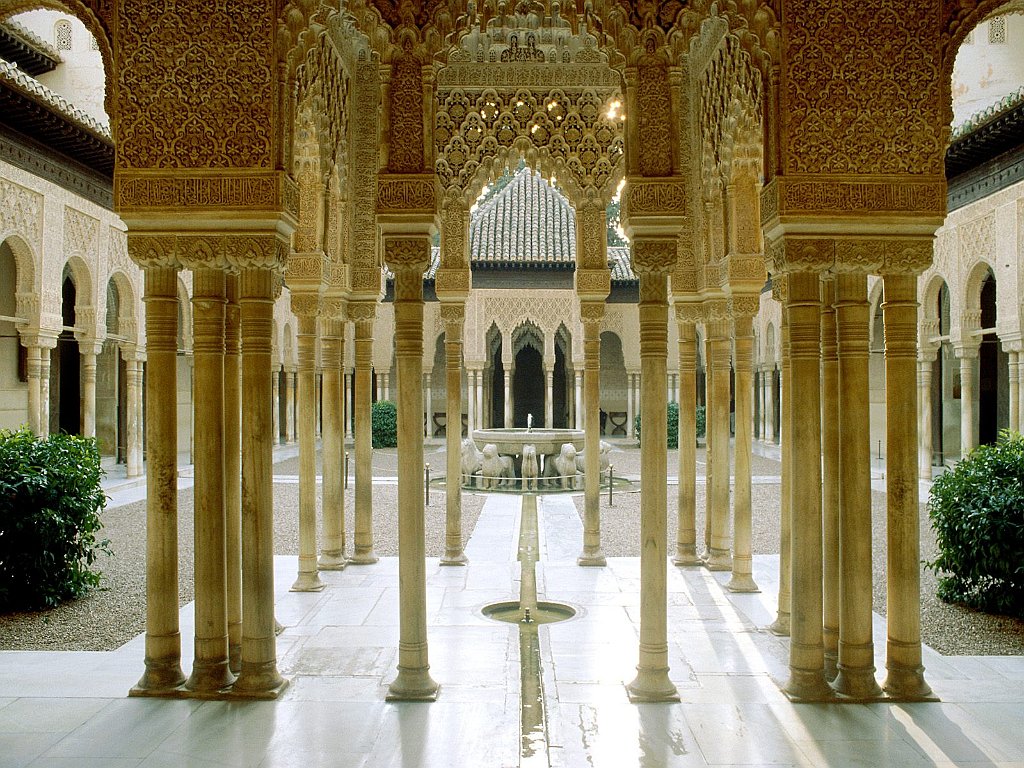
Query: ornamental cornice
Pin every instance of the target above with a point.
(852, 196)
(366, 282)
(137, 191)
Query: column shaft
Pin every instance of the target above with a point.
(806, 656)
(163, 641)
(686, 502)
(592, 312)
(652, 682)
(453, 547)
(905, 676)
(549, 397)
(428, 408)
(719, 556)
(508, 395)
(413, 680)
(1014, 377)
(210, 671)
(830, 478)
(924, 404)
(578, 399)
(34, 356)
(968, 420)
(308, 579)
(332, 551)
(88, 396)
(258, 676)
(856, 668)
(742, 560)
(134, 416)
(781, 625)
(363, 535)
(233, 470)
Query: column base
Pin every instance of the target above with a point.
(808, 685)
(369, 557)
(780, 626)
(258, 681)
(332, 561)
(686, 555)
(455, 558)
(592, 559)
(907, 683)
(859, 684)
(742, 582)
(651, 685)
(307, 582)
(160, 679)
(718, 560)
(234, 657)
(210, 677)
(413, 685)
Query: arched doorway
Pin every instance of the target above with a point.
(993, 370)
(945, 412)
(65, 367)
(561, 380)
(613, 386)
(495, 391)
(112, 385)
(13, 362)
(528, 380)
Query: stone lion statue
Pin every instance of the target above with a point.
(497, 471)
(531, 468)
(604, 457)
(560, 470)
(472, 460)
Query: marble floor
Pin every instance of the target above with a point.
(338, 649)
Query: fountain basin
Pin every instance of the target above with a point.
(511, 441)
(544, 612)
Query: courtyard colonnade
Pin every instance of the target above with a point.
(718, 173)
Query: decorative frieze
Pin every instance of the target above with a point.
(655, 197)
(406, 194)
(829, 195)
(226, 190)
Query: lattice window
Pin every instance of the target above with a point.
(62, 35)
(997, 30)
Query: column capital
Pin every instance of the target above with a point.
(224, 250)
(654, 255)
(453, 314)
(306, 304)
(688, 312)
(334, 308)
(362, 311)
(591, 312)
(744, 305)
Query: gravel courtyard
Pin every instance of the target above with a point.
(109, 617)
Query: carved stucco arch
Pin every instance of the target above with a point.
(129, 308)
(25, 263)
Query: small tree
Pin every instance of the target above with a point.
(977, 512)
(384, 417)
(50, 499)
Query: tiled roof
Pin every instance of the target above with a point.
(527, 222)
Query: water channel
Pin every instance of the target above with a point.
(529, 613)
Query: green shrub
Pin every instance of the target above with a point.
(385, 424)
(673, 424)
(977, 512)
(50, 499)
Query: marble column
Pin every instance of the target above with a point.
(471, 376)
(652, 682)
(1013, 365)
(44, 389)
(781, 625)
(453, 314)
(408, 257)
(386, 378)
(210, 670)
(549, 395)
(806, 652)
(742, 580)
(233, 469)
(332, 550)
(578, 399)
(428, 408)
(968, 398)
(508, 393)
(591, 313)
(88, 350)
(716, 317)
(767, 423)
(163, 640)
(830, 477)
(34, 354)
(362, 315)
(347, 394)
(630, 411)
(905, 678)
(686, 501)
(306, 307)
(289, 415)
(133, 419)
(925, 446)
(856, 667)
(258, 676)
(275, 376)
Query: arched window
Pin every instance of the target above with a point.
(62, 35)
